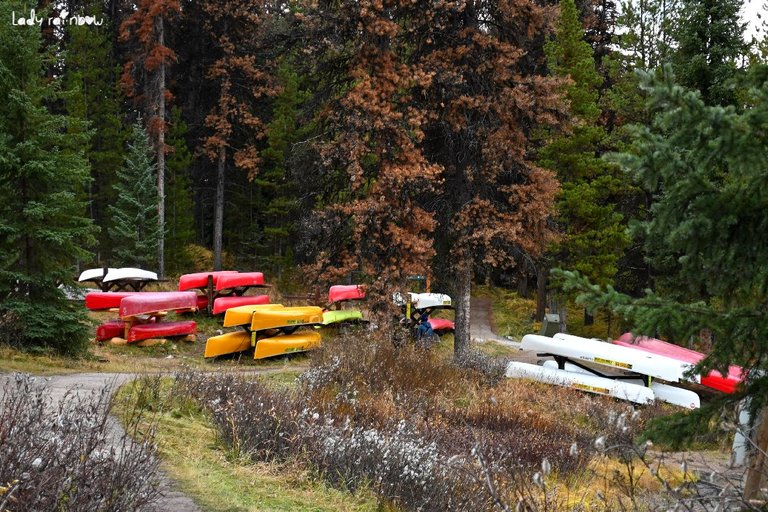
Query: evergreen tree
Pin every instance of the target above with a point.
(593, 232)
(43, 169)
(710, 43)
(179, 206)
(135, 233)
(708, 164)
(91, 68)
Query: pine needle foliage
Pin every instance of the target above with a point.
(135, 233)
(705, 235)
(43, 171)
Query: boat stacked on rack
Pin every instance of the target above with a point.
(270, 329)
(118, 279)
(414, 305)
(609, 369)
(221, 290)
(338, 296)
(141, 315)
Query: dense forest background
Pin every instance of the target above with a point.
(364, 141)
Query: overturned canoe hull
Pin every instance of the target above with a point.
(96, 301)
(442, 325)
(200, 279)
(243, 315)
(342, 292)
(341, 316)
(714, 379)
(286, 317)
(222, 304)
(147, 303)
(161, 330)
(286, 344)
(239, 280)
(664, 392)
(583, 382)
(607, 354)
(109, 330)
(228, 343)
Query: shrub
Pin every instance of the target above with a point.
(67, 456)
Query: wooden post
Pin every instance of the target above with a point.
(209, 295)
(757, 474)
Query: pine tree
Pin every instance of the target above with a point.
(144, 78)
(593, 232)
(706, 165)
(91, 68)
(179, 205)
(135, 233)
(710, 43)
(43, 170)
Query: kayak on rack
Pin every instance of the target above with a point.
(150, 303)
(243, 315)
(222, 304)
(286, 317)
(110, 329)
(344, 292)
(607, 354)
(227, 343)
(200, 279)
(583, 382)
(129, 274)
(286, 344)
(442, 325)
(96, 301)
(342, 315)
(714, 379)
(239, 280)
(664, 392)
(139, 332)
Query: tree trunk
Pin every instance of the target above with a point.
(461, 338)
(541, 293)
(757, 474)
(161, 156)
(218, 209)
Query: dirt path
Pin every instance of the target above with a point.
(481, 330)
(172, 500)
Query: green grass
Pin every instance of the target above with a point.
(203, 469)
(513, 316)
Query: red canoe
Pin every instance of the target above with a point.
(153, 302)
(200, 280)
(161, 330)
(105, 300)
(714, 379)
(109, 330)
(222, 304)
(238, 280)
(202, 302)
(342, 292)
(441, 324)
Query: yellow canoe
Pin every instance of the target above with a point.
(286, 344)
(228, 343)
(286, 317)
(241, 315)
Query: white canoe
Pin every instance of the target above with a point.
(607, 354)
(664, 392)
(583, 382)
(92, 274)
(129, 274)
(430, 300)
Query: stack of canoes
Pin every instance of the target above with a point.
(640, 370)
(269, 329)
(338, 296)
(218, 291)
(141, 315)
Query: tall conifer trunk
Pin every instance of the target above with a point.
(463, 279)
(218, 208)
(161, 155)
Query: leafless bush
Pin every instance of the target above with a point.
(491, 368)
(66, 456)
